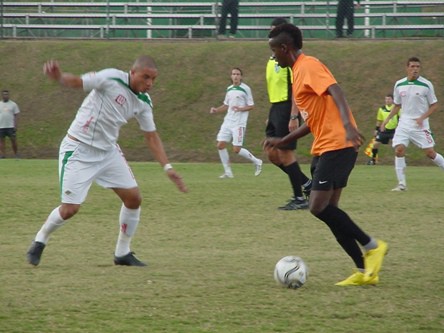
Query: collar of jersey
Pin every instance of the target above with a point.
(142, 96)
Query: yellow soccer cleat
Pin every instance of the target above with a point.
(358, 279)
(373, 260)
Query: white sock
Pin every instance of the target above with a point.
(225, 159)
(53, 222)
(249, 156)
(400, 166)
(128, 221)
(373, 244)
(439, 160)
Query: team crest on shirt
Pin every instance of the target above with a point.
(277, 68)
(120, 100)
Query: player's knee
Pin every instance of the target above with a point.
(431, 154)
(236, 149)
(315, 209)
(68, 210)
(133, 201)
(399, 151)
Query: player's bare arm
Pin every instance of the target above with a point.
(155, 145)
(243, 108)
(294, 120)
(352, 133)
(300, 132)
(392, 113)
(52, 70)
(221, 108)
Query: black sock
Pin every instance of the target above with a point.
(293, 171)
(374, 153)
(303, 178)
(282, 167)
(347, 233)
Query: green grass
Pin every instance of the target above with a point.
(193, 76)
(211, 254)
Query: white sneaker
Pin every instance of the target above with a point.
(258, 168)
(226, 175)
(399, 188)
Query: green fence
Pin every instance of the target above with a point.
(199, 19)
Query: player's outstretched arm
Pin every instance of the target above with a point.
(52, 70)
(155, 145)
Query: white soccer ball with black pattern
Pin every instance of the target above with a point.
(291, 272)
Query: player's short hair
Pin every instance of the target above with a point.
(287, 34)
(278, 21)
(389, 95)
(5, 91)
(413, 59)
(144, 62)
(238, 69)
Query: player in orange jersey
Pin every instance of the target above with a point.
(327, 116)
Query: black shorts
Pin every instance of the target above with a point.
(277, 125)
(385, 137)
(332, 169)
(4, 132)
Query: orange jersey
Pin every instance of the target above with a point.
(318, 108)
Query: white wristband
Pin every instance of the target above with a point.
(167, 167)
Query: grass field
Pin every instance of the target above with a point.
(211, 254)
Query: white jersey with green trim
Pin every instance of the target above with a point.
(109, 106)
(415, 98)
(237, 96)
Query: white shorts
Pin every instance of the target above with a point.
(235, 134)
(422, 138)
(80, 165)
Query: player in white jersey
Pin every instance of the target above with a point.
(90, 153)
(416, 96)
(238, 102)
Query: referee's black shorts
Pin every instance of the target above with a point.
(277, 125)
(385, 137)
(332, 169)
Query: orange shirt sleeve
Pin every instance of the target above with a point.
(316, 76)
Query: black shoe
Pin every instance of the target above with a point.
(371, 162)
(35, 253)
(128, 260)
(306, 189)
(295, 204)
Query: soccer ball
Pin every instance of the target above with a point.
(291, 272)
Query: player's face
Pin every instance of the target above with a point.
(413, 69)
(279, 52)
(388, 100)
(142, 79)
(236, 76)
(5, 96)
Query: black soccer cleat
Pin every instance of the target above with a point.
(35, 253)
(128, 260)
(295, 204)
